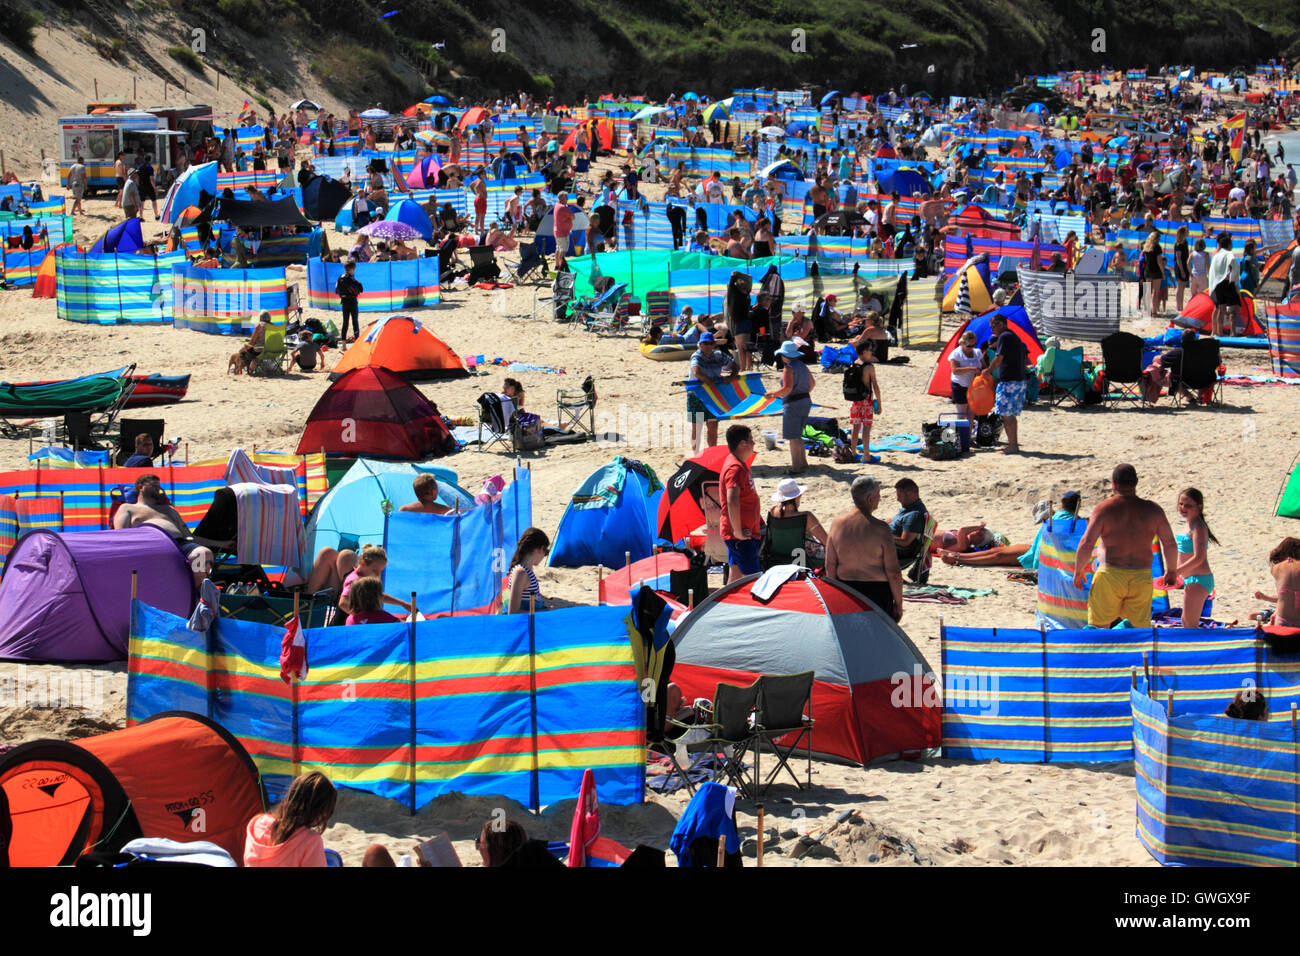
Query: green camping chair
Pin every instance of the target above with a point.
(1066, 380)
(784, 701)
(271, 360)
(785, 542)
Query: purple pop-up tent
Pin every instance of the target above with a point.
(67, 597)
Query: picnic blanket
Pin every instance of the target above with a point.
(742, 397)
(897, 443)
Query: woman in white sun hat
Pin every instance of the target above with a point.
(785, 502)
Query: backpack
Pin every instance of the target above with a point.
(855, 389)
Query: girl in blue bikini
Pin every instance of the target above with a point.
(1193, 563)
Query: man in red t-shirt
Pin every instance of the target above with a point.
(742, 522)
(562, 226)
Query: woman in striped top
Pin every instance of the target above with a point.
(520, 586)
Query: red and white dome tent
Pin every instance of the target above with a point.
(859, 656)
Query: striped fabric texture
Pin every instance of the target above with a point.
(1059, 696)
(113, 289)
(517, 706)
(744, 397)
(389, 286)
(1214, 790)
(227, 301)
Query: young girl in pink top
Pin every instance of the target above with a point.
(290, 835)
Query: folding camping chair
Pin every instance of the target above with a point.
(1122, 353)
(492, 416)
(1201, 372)
(530, 261)
(274, 355)
(1065, 379)
(483, 265)
(784, 702)
(658, 311)
(729, 736)
(562, 294)
(447, 259)
(572, 405)
(130, 428)
(784, 542)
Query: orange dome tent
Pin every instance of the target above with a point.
(406, 348)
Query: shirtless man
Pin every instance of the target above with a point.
(152, 507)
(426, 497)
(860, 550)
(1125, 524)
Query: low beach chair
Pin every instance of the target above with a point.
(918, 570)
(1065, 381)
(658, 311)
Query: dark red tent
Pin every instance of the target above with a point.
(373, 412)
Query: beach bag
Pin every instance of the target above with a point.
(980, 396)
(988, 429)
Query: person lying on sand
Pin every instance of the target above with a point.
(1014, 555)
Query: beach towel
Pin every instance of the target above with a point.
(207, 608)
(269, 524)
(944, 594)
(601, 490)
(742, 397)
(897, 443)
(241, 468)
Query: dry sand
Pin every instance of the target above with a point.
(924, 812)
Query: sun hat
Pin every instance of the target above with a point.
(788, 350)
(1042, 511)
(788, 490)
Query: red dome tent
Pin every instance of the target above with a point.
(819, 625)
(371, 411)
(1198, 314)
(404, 346)
(176, 775)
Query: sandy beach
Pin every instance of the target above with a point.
(918, 813)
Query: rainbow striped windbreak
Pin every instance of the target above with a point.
(113, 288)
(505, 705)
(1282, 323)
(389, 286)
(743, 397)
(1060, 696)
(1213, 790)
(227, 301)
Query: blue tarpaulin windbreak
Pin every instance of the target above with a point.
(473, 546)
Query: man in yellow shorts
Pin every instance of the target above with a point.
(1125, 525)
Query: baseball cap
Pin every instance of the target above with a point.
(707, 337)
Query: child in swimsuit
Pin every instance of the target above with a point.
(1198, 581)
(1284, 564)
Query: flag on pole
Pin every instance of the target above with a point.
(1237, 126)
(293, 652)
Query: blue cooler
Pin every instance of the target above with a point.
(963, 429)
